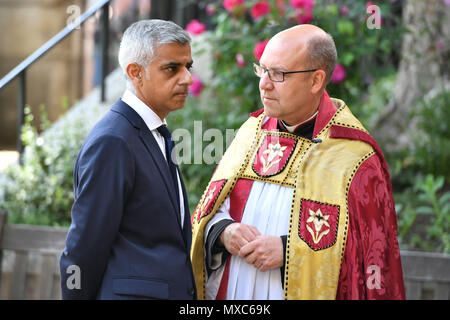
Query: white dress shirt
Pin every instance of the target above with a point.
(153, 122)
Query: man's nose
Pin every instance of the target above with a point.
(264, 82)
(187, 78)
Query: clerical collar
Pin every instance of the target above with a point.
(303, 129)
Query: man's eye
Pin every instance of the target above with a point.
(277, 73)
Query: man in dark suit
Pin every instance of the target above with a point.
(130, 235)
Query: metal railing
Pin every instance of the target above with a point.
(21, 69)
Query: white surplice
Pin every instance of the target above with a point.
(268, 208)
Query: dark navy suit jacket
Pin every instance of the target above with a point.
(126, 237)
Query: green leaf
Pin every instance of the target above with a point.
(424, 210)
(347, 58)
(446, 210)
(445, 198)
(345, 27)
(332, 9)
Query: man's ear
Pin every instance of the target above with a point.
(134, 72)
(318, 81)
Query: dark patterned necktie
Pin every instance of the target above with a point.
(172, 166)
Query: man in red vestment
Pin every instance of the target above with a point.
(337, 237)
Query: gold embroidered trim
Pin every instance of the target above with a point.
(347, 189)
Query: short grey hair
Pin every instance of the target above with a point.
(322, 54)
(140, 40)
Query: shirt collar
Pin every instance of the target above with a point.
(293, 128)
(150, 118)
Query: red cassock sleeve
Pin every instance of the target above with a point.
(371, 266)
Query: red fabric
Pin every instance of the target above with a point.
(325, 113)
(371, 266)
(210, 198)
(257, 113)
(222, 293)
(270, 124)
(238, 199)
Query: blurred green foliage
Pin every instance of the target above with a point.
(431, 147)
(424, 211)
(40, 191)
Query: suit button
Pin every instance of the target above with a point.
(191, 292)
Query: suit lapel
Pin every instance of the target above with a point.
(153, 149)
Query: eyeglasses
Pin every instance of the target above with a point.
(275, 75)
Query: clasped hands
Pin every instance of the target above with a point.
(263, 252)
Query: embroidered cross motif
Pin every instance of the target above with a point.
(273, 150)
(319, 220)
(318, 223)
(273, 155)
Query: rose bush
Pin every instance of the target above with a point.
(195, 27)
(242, 29)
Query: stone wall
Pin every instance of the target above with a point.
(24, 27)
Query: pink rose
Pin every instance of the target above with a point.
(303, 4)
(338, 74)
(196, 87)
(195, 27)
(303, 10)
(259, 49)
(305, 17)
(231, 4)
(210, 9)
(344, 10)
(240, 61)
(259, 9)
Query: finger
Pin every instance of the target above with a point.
(249, 232)
(241, 242)
(237, 242)
(252, 259)
(263, 264)
(255, 231)
(247, 249)
(252, 232)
